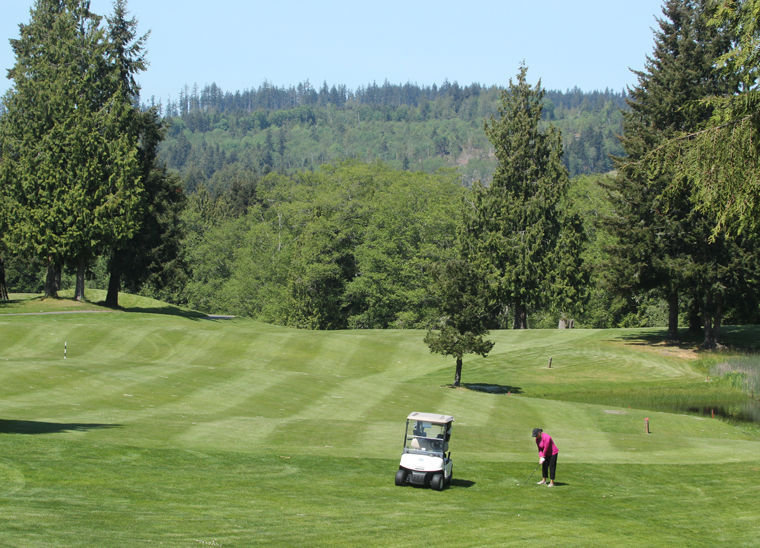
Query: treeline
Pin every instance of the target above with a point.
(409, 127)
(347, 246)
(269, 97)
(276, 224)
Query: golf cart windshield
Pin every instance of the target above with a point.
(426, 437)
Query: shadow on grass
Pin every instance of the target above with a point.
(733, 337)
(466, 484)
(38, 427)
(8, 304)
(4, 304)
(23, 306)
(491, 388)
(686, 339)
(166, 310)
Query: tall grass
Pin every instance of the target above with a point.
(741, 372)
(681, 397)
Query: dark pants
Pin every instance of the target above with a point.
(549, 467)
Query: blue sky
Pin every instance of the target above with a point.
(239, 44)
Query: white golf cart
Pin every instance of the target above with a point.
(426, 460)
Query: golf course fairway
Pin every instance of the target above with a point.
(164, 427)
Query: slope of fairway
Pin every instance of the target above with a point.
(181, 429)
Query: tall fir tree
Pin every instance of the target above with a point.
(663, 244)
(73, 174)
(4, 222)
(720, 161)
(6, 207)
(151, 254)
(514, 226)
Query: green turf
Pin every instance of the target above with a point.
(170, 429)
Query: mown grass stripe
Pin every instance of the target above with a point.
(240, 433)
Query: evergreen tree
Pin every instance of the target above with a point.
(662, 243)
(462, 301)
(513, 229)
(720, 160)
(153, 261)
(6, 206)
(126, 51)
(73, 173)
(3, 287)
(4, 220)
(152, 252)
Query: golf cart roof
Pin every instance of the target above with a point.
(430, 417)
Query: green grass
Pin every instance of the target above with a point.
(171, 429)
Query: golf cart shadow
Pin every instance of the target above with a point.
(492, 388)
(455, 483)
(38, 427)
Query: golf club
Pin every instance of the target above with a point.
(531, 474)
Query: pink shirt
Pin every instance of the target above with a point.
(546, 445)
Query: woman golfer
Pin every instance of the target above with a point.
(547, 455)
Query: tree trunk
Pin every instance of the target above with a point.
(521, 317)
(502, 320)
(709, 341)
(673, 315)
(458, 373)
(79, 290)
(3, 287)
(695, 318)
(114, 283)
(52, 279)
(712, 320)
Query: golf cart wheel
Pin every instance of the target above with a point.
(401, 476)
(436, 482)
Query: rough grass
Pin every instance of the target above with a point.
(743, 372)
(171, 429)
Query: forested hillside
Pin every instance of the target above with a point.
(213, 133)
